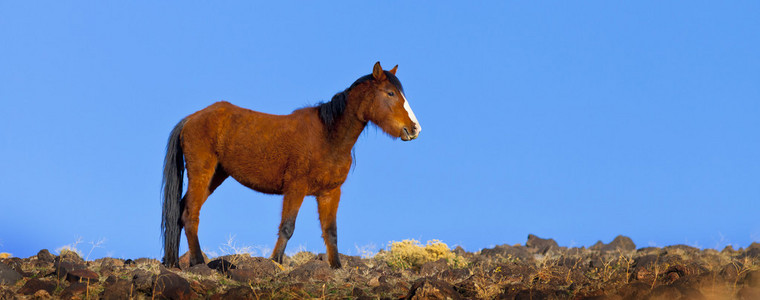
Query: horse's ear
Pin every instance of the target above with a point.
(377, 72)
(393, 71)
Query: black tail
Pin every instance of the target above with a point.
(174, 170)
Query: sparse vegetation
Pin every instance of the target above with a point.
(411, 254)
(405, 269)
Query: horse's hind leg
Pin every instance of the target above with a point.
(202, 181)
(291, 203)
(328, 209)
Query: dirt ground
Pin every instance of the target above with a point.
(538, 269)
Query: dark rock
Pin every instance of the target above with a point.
(673, 273)
(351, 262)
(143, 280)
(641, 274)
(14, 263)
(469, 289)
(33, 285)
(728, 250)
(574, 251)
(646, 261)
(144, 261)
(510, 253)
(753, 251)
(314, 269)
(109, 266)
(510, 291)
(171, 286)
(8, 276)
(459, 251)
(69, 256)
(622, 243)
(241, 292)
(265, 266)
(598, 246)
(433, 268)
(129, 261)
(754, 245)
(595, 262)
(684, 248)
(358, 293)
(429, 288)
(45, 256)
(111, 279)
(202, 270)
(539, 245)
(82, 275)
(109, 262)
(506, 272)
(204, 286)
(383, 289)
(455, 275)
(571, 261)
(117, 289)
(62, 269)
(260, 264)
(242, 275)
(75, 291)
(221, 265)
(649, 251)
(254, 270)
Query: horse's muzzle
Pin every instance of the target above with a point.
(413, 134)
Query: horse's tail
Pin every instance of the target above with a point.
(174, 169)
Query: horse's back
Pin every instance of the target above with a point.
(222, 119)
(260, 150)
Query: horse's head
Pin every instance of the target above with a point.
(385, 105)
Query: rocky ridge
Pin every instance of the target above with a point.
(539, 269)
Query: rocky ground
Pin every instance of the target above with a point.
(540, 269)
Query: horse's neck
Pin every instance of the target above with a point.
(345, 132)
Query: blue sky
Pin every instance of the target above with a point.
(572, 121)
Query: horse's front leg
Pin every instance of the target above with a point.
(290, 205)
(328, 208)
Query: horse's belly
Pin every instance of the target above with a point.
(260, 185)
(266, 179)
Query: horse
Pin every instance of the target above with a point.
(305, 153)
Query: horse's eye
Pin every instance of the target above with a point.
(391, 94)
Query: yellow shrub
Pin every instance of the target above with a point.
(6, 255)
(411, 254)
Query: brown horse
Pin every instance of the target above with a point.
(307, 152)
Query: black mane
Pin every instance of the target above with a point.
(330, 111)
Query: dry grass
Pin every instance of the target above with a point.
(411, 254)
(561, 274)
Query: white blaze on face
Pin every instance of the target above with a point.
(411, 114)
